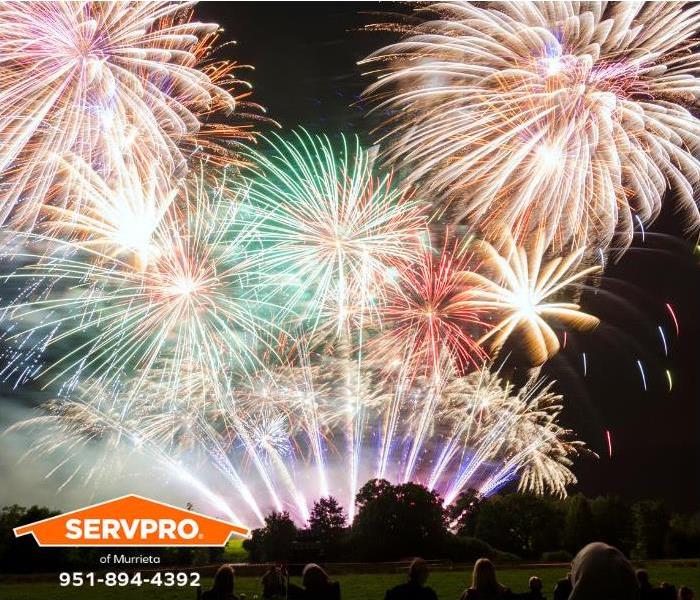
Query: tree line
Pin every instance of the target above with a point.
(393, 522)
(398, 521)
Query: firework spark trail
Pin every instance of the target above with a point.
(608, 439)
(169, 418)
(429, 317)
(391, 419)
(423, 425)
(78, 424)
(311, 416)
(295, 391)
(512, 114)
(197, 405)
(663, 340)
(642, 373)
(270, 432)
(671, 312)
(483, 392)
(487, 447)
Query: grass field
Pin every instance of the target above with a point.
(448, 585)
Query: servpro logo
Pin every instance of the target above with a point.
(131, 521)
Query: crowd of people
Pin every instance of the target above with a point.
(598, 572)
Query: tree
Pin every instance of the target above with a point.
(578, 524)
(21, 554)
(462, 513)
(522, 524)
(327, 523)
(274, 541)
(327, 517)
(613, 522)
(651, 521)
(683, 536)
(398, 521)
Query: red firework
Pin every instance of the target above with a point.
(428, 317)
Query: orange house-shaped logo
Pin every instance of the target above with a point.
(131, 521)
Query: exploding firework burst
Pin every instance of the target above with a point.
(101, 80)
(330, 230)
(428, 314)
(544, 449)
(118, 220)
(523, 290)
(503, 434)
(569, 116)
(191, 297)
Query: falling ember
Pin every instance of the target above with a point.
(669, 379)
(608, 437)
(663, 340)
(641, 227)
(643, 374)
(670, 310)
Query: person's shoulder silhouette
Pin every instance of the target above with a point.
(410, 591)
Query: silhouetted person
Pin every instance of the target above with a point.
(668, 591)
(485, 586)
(535, 589)
(273, 584)
(562, 590)
(222, 589)
(414, 588)
(685, 593)
(646, 590)
(602, 572)
(316, 584)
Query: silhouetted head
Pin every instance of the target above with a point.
(224, 581)
(314, 578)
(273, 581)
(484, 577)
(642, 578)
(535, 584)
(685, 593)
(601, 571)
(418, 571)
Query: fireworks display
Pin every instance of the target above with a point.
(101, 80)
(276, 318)
(571, 119)
(522, 293)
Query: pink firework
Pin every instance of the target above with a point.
(429, 317)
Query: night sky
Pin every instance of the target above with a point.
(305, 58)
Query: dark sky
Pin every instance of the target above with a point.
(306, 74)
